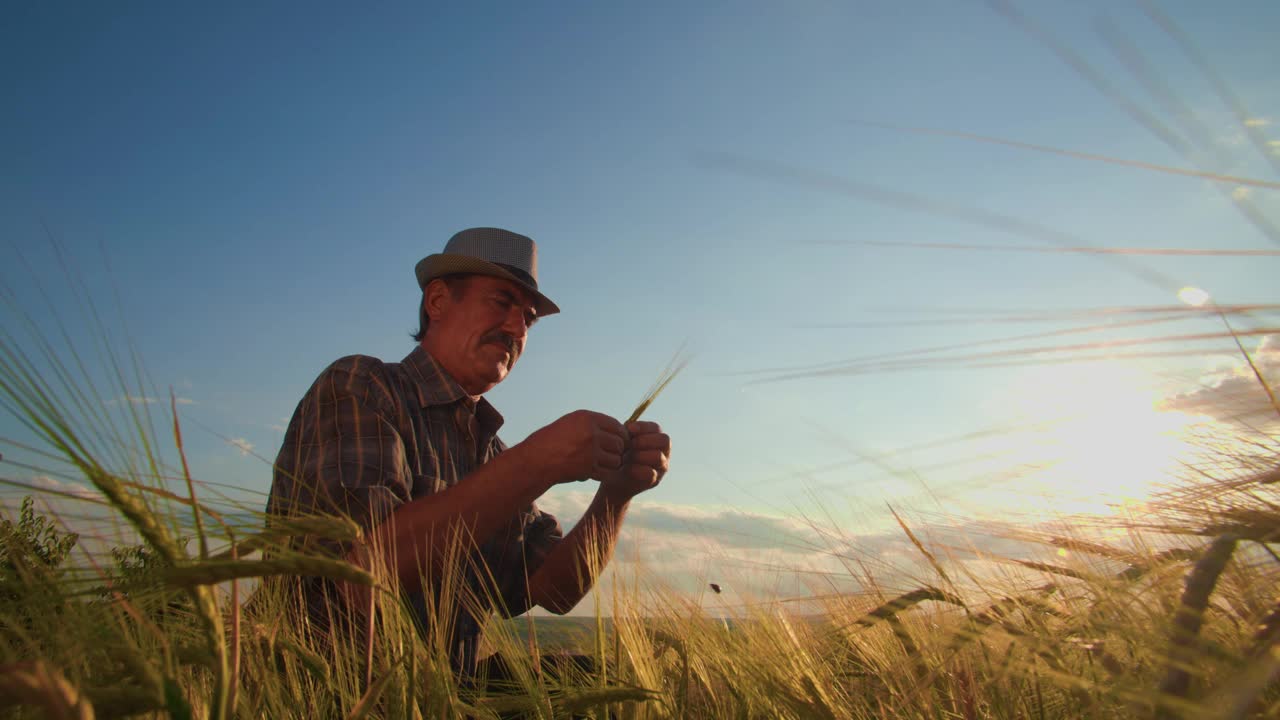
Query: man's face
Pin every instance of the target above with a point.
(479, 335)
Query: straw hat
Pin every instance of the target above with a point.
(489, 251)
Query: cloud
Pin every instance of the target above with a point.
(44, 482)
(242, 444)
(1235, 134)
(148, 400)
(1241, 193)
(1232, 139)
(727, 527)
(80, 509)
(757, 557)
(1234, 390)
(276, 428)
(683, 547)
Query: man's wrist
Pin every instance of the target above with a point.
(615, 496)
(531, 466)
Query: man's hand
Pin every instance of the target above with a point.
(570, 569)
(580, 445)
(645, 462)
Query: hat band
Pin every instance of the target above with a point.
(524, 277)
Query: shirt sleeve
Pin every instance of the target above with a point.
(513, 557)
(342, 452)
(516, 553)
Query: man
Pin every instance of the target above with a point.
(410, 451)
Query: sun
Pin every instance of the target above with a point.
(1100, 441)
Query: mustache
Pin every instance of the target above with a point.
(500, 338)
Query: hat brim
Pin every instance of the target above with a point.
(441, 264)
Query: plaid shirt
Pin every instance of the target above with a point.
(370, 436)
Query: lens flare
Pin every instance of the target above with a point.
(1193, 296)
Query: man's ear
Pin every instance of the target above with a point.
(436, 299)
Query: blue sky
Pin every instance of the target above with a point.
(253, 185)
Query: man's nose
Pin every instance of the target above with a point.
(515, 324)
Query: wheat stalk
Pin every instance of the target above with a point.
(35, 683)
(330, 527)
(1190, 616)
(678, 363)
(904, 601)
(212, 572)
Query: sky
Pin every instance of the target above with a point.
(242, 192)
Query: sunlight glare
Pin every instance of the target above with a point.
(1193, 296)
(1101, 443)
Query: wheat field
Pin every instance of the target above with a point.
(176, 602)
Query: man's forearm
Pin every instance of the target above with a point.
(422, 534)
(570, 569)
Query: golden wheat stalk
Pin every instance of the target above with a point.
(1187, 620)
(905, 601)
(1050, 569)
(35, 683)
(909, 646)
(369, 700)
(335, 527)
(933, 561)
(1267, 635)
(1240, 696)
(201, 535)
(225, 670)
(212, 572)
(125, 700)
(678, 363)
(996, 613)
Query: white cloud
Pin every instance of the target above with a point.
(242, 444)
(1257, 122)
(1232, 139)
(80, 509)
(44, 482)
(1234, 390)
(276, 428)
(684, 547)
(727, 527)
(149, 400)
(755, 557)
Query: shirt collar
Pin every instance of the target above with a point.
(435, 386)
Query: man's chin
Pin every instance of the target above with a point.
(496, 374)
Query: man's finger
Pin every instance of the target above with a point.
(649, 458)
(608, 459)
(611, 443)
(645, 475)
(652, 441)
(610, 425)
(643, 427)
